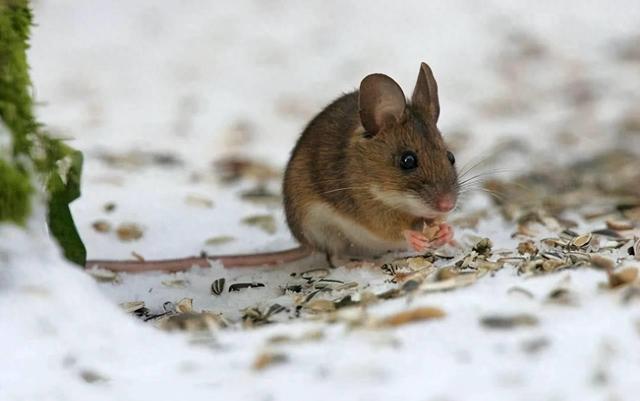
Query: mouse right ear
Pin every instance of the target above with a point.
(425, 94)
(381, 102)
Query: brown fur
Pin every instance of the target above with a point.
(335, 161)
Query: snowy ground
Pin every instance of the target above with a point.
(154, 94)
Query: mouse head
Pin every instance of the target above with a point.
(402, 151)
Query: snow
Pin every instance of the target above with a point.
(178, 78)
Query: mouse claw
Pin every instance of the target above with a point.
(416, 240)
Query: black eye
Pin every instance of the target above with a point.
(451, 158)
(408, 161)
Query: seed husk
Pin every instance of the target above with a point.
(619, 225)
(241, 286)
(198, 201)
(218, 286)
(315, 274)
(267, 359)
(191, 321)
(129, 232)
(184, 305)
(132, 306)
(413, 315)
(446, 273)
(177, 283)
(509, 321)
(265, 222)
(602, 262)
(582, 240)
(623, 277)
(101, 226)
(483, 247)
(219, 240)
(103, 275)
(320, 306)
(527, 247)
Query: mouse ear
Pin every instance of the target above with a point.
(425, 94)
(381, 102)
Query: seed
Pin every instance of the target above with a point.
(103, 275)
(602, 262)
(622, 277)
(222, 239)
(483, 246)
(184, 305)
(198, 201)
(179, 283)
(218, 286)
(315, 274)
(320, 305)
(509, 321)
(582, 240)
(132, 306)
(527, 247)
(101, 226)
(267, 359)
(264, 221)
(552, 265)
(129, 232)
(109, 207)
(413, 315)
(241, 286)
(446, 273)
(619, 225)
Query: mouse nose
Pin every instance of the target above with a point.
(445, 203)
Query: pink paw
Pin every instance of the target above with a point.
(445, 235)
(420, 243)
(416, 240)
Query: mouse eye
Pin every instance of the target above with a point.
(451, 157)
(408, 161)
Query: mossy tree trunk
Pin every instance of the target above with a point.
(28, 156)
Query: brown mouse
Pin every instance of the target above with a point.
(368, 173)
(370, 170)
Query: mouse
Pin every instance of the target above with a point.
(370, 174)
(371, 170)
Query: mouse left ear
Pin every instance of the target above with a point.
(381, 102)
(425, 94)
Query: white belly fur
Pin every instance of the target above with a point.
(329, 230)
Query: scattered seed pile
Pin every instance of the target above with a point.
(586, 215)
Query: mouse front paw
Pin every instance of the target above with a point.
(416, 240)
(444, 236)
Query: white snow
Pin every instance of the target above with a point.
(177, 77)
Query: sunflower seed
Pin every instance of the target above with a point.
(320, 306)
(508, 321)
(622, 277)
(619, 225)
(413, 315)
(217, 287)
(129, 232)
(132, 306)
(184, 305)
(582, 240)
(602, 262)
(315, 274)
(241, 286)
(101, 226)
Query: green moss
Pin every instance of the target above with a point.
(15, 98)
(57, 165)
(15, 194)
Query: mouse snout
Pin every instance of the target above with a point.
(445, 203)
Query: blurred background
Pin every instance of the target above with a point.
(168, 100)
